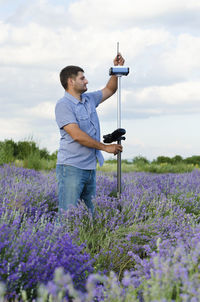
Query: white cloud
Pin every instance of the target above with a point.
(184, 58)
(33, 44)
(15, 127)
(44, 110)
(126, 12)
(180, 98)
(181, 93)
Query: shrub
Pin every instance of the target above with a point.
(7, 151)
(162, 160)
(26, 154)
(195, 160)
(44, 153)
(30, 251)
(176, 159)
(140, 160)
(25, 148)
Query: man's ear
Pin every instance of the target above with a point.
(70, 82)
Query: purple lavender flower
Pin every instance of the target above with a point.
(151, 232)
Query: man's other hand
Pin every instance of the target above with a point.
(113, 148)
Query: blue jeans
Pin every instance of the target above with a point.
(75, 184)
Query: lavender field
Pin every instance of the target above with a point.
(144, 246)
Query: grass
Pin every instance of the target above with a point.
(150, 167)
(36, 163)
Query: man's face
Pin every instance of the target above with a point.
(80, 83)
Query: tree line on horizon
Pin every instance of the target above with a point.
(177, 159)
(21, 150)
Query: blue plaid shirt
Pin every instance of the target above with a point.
(70, 110)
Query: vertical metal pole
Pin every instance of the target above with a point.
(118, 126)
(118, 96)
(119, 173)
(117, 48)
(119, 102)
(119, 141)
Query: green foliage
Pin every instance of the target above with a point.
(168, 168)
(195, 160)
(33, 161)
(163, 160)
(44, 153)
(114, 161)
(112, 167)
(151, 167)
(111, 161)
(140, 160)
(53, 156)
(25, 148)
(27, 154)
(177, 159)
(7, 151)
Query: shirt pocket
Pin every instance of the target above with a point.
(83, 118)
(84, 123)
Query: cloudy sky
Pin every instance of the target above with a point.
(160, 40)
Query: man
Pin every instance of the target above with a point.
(80, 145)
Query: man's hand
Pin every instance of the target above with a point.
(113, 148)
(111, 86)
(119, 60)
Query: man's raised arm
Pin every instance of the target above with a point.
(111, 86)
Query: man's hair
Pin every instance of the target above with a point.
(69, 72)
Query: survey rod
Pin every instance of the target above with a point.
(117, 135)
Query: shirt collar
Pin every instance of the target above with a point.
(74, 100)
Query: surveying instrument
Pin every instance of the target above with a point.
(117, 135)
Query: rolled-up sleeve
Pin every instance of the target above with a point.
(64, 115)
